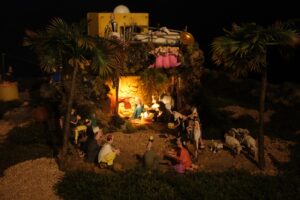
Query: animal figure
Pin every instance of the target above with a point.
(238, 133)
(194, 113)
(244, 137)
(197, 135)
(250, 143)
(178, 116)
(233, 144)
(215, 146)
(194, 131)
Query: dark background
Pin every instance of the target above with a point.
(204, 19)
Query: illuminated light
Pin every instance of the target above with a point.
(155, 106)
(121, 9)
(145, 115)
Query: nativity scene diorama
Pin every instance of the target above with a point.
(122, 107)
(140, 76)
(160, 49)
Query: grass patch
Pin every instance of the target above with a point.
(138, 184)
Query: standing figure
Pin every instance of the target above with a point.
(180, 126)
(94, 146)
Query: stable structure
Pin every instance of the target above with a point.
(130, 88)
(120, 23)
(134, 28)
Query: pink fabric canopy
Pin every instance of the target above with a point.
(165, 61)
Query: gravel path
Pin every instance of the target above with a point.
(32, 179)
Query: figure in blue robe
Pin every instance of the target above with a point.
(138, 109)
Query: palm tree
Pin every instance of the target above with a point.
(67, 46)
(116, 51)
(244, 49)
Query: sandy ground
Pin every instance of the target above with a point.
(34, 179)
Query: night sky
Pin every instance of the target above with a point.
(205, 21)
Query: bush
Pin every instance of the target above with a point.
(116, 121)
(129, 128)
(137, 184)
(131, 185)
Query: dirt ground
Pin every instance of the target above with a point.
(34, 179)
(134, 145)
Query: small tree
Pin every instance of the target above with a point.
(67, 46)
(244, 49)
(118, 59)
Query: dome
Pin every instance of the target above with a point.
(121, 9)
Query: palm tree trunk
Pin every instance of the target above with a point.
(68, 114)
(261, 156)
(174, 91)
(117, 96)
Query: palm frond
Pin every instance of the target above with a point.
(244, 48)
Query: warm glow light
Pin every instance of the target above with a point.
(129, 89)
(155, 106)
(145, 115)
(121, 9)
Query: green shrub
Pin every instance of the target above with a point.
(116, 121)
(131, 185)
(129, 128)
(137, 184)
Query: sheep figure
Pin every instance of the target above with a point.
(250, 143)
(238, 133)
(241, 134)
(233, 144)
(232, 132)
(215, 147)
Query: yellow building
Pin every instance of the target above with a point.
(119, 21)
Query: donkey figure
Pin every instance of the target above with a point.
(195, 134)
